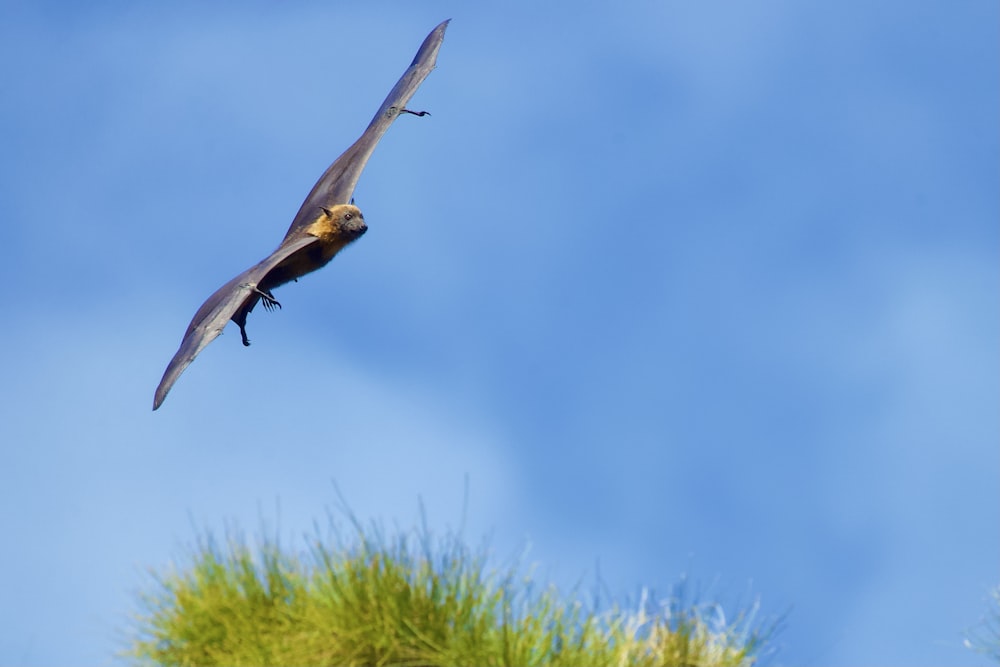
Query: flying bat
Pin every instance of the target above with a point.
(326, 222)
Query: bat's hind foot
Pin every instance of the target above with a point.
(266, 298)
(243, 334)
(270, 303)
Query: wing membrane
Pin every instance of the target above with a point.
(217, 310)
(336, 185)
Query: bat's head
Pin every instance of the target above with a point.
(343, 223)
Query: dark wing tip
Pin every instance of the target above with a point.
(431, 43)
(174, 370)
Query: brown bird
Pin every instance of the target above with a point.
(326, 222)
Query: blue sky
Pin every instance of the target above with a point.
(682, 287)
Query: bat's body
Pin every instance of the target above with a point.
(325, 223)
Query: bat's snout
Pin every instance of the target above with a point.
(355, 227)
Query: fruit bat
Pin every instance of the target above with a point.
(326, 222)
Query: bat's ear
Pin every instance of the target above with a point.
(328, 212)
(352, 201)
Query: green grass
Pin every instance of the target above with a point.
(405, 600)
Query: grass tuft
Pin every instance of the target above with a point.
(407, 600)
(985, 637)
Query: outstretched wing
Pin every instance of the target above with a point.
(213, 315)
(335, 187)
(337, 183)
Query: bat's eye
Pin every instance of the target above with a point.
(348, 216)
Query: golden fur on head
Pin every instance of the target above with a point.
(340, 223)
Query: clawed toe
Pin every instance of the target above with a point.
(266, 298)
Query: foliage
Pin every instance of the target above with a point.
(409, 600)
